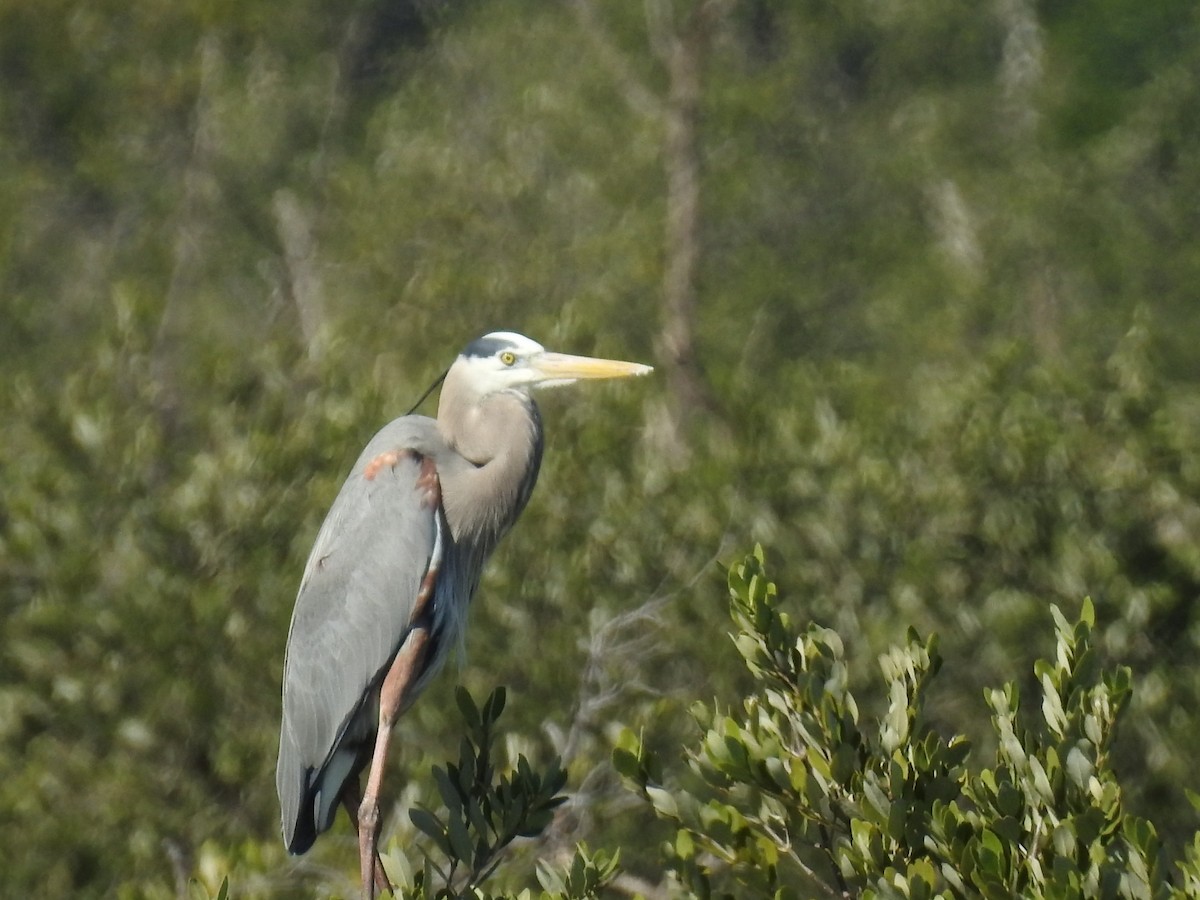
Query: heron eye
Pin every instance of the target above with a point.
(508, 357)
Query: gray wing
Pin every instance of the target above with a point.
(352, 613)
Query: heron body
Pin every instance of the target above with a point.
(387, 585)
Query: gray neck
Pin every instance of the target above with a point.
(498, 440)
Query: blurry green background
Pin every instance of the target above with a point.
(920, 281)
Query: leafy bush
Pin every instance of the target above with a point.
(797, 792)
(485, 810)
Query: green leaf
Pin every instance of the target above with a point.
(1040, 782)
(549, 878)
(460, 840)
(626, 764)
(1079, 768)
(1087, 612)
(476, 816)
(467, 707)
(494, 705)
(536, 822)
(448, 789)
(663, 802)
(1063, 839)
(1193, 798)
(685, 847)
(861, 832)
(427, 823)
(1052, 709)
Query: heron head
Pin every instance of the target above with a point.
(505, 360)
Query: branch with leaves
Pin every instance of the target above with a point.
(485, 809)
(795, 794)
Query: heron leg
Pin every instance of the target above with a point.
(406, 668)
(351, 800)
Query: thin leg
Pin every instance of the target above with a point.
(403, 674)
(352, 799)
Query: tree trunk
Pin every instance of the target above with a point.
(681, 159)
(683, 52)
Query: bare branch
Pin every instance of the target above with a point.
(1022, 66)
(294, 224)
(191, 225)
(640, 99)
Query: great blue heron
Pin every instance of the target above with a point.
(385, 592)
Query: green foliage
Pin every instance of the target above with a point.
(237, 238)
(487, 805)
(585, 875)
(985, 495)
(485, 810)
(800, 795)
(127, 565)
(1052, 799)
